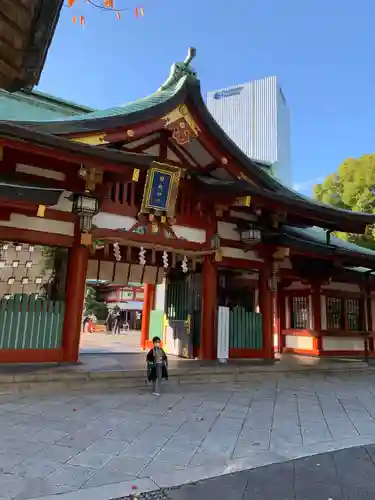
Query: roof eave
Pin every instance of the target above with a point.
(16, 133)
(40, 36)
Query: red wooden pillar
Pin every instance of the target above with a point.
(317, 317)
(74, 299)
(149, 292)
(282, 317)
(266, 310)
(209, 310)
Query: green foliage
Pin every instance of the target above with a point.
(94, 304)
(351, 188)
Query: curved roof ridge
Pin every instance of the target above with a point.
(180, 72)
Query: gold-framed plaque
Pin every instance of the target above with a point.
(161, 189)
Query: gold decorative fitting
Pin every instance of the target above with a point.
(130, 133)
(244, 201)
(92, 177)
(183, 109)
(163, 219)
(86, 239)
(218, 255)
(135, 176)
(92, 140)
(154, 228)
(182, 124)
(41, 211)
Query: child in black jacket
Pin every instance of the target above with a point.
(157, 364)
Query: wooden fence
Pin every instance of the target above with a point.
(245, 329)
(27, 322)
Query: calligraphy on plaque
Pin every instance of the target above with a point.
(161, 189)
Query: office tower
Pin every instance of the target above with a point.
(255, 115)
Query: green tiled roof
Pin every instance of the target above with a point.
(179, 74)
(159, 97)
(319, 236)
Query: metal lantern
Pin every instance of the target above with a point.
(85, 207)
(250, 235)
(272, 282)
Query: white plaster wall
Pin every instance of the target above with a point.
(160, 296)
(190, 233)
(228, 231)
(64, 204)
(20, 221)
(342, 287)
(237, 253)
(105, 220)
(343, 344)
(294, 342)
(40, 172)
(323, 311)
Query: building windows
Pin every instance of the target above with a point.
(344, 314)
(299, 312)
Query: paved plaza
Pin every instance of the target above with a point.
(106, 342)
(342, 475)
(91, 445)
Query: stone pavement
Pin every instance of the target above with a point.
(103, 445)
(341, 475)
(104, 342)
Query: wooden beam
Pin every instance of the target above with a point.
(153, 239)
(163, 152)
(35, 155)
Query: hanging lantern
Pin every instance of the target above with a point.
(164, 258)
(184, 265)
(142, 256)
(116, 251)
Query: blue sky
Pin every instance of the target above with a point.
(321, 51)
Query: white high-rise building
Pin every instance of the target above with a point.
(256, 117)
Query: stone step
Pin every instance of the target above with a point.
(75, 377)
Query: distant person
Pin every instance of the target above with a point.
(85, 321)
(119, 323)
(110, 321)
(157, 364)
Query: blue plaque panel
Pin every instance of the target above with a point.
(160, 185)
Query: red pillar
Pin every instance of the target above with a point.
(74, 298)
(148, 300)
(317, 317)
(209, 310)
(266, 309)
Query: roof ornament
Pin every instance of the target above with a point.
(179, 70)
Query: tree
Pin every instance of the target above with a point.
(94, 304)
(103, 6)
(352, 187)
